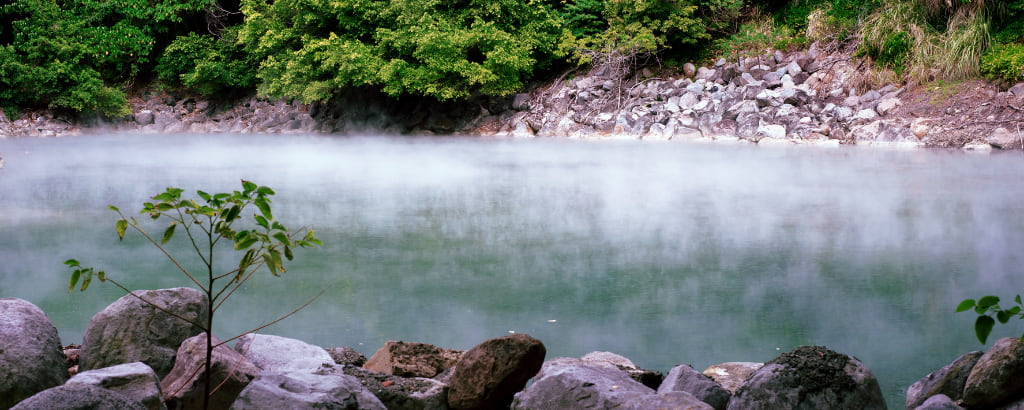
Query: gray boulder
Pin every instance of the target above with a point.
(282, 354)
(685, 379)
(938, 402)
(732, 375)
(489, 374)
(31, 358)
(997, 377)
(810, 377)
(649, 378)
(402, 393)
(305, 390)
(130, 330)
(948, 381)
(412, 359)
(1017, 90)
(673, 400)
(78, 396)
(136, 381)
(185, 384)
(573, 383)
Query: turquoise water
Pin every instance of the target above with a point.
(665, 253)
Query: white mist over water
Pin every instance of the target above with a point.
(665, 253)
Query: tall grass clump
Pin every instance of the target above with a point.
(928, 40)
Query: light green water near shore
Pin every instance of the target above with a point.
(665, 253)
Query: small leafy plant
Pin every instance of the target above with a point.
(986, 308)
(209, 223)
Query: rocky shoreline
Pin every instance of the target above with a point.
(135, 356)
(817, 96)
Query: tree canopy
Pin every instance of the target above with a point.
(81, 56)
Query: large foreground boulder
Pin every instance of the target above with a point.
(998, 377)
(810, 377)
(407, 359)
(567, 383)
(948, 381)
(282, 354)
(297, 389)
(31, 359)
(490, 373)
(78, 396)
(136, 381)
(184, 386)
(684, 378)
(130, 330)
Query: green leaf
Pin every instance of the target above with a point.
(102, 275)
(1014, 310)
(282, 237)
(276, 257)
(164, 206)
(261, 221)
(233, 213)
(206, 197)
(87, 280)
(1003, 316)
(264, 191)
(248, 186)
(270, 264)
(965, 305)
(988, 301)
(243, 242)
(1017, 299)
(264, 207)
(74, 280)
(169, 232)
(71, 262)
(244, 263)
(288, 253)
(983, 327)
(113, 208)
(121, 225)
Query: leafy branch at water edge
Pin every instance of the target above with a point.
(209, 221)
(986, 308)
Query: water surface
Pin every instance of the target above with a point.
(665, 253)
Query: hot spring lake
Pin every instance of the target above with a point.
(665, 253)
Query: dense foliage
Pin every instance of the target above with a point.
(82, 56)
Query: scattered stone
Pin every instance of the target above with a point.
(136, 381)
(684, 378)
(408, 359)
(78, 396)
(346, 355)
(403, 393)
(646, 377)
(887, 106)
(948, 381)
(31, 357)
(184, 385)
(297, 389)
(937, 402)
(996, 377)
(674, 400)
(489, 374)
(281, 354)
(573, 383)
(810, 377)
(1017, 90)
(130, 330)
(1003, 138)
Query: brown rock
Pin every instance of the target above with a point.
(412, 359)
(492, 372)
(998, 376)
(184, 385)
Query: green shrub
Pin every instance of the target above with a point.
(206, 64)
(1004, 63)
(895, 51)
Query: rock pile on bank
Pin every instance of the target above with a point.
(265, 371)
(800, 97)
